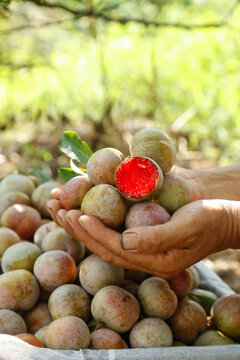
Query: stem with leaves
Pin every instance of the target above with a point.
(77, 150)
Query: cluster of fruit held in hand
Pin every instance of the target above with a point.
(51, 285)
(135, 191)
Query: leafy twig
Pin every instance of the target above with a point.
(122, 20)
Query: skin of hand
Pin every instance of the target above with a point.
(215, 183)
(191, 178)
(193, 232)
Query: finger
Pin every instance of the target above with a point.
(72, 217)
(174, 234)
(145, 239)
(109, 257)
(53, 207)
(176, 261)
(62, 216)
(110, 240)
(81, 234)
(55, 193)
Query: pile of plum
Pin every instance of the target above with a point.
(55, 293)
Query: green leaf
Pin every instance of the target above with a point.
(204, 299)
(74, 147)
(33, 150)
(94, 325)
(66, 174)
(40, 174)
(76, 169)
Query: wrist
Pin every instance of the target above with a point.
(234, 224)
(229, 225)
(218, 183)
(223, 224)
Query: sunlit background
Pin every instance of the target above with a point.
(106, 76)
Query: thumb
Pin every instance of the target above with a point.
(149, 239)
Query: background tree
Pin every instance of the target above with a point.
(107, 68)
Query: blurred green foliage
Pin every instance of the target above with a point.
(110, 63)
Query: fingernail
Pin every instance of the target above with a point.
(59, 215)
(81, 221)
(58, 218)
(49, 207)
(129, 241)
(69, 220)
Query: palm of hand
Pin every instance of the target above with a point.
(193, 232)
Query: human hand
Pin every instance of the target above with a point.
(193, 232)
(69, 220)
(215, 183)
(192, 179)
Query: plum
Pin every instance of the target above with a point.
(58, 239)
(19, 290)
(149, 333)
(188, 321)
(95, 274)
(226, 315)
(106, 339)
(37, 317)
(54, 268)
(173, 194)
(105, 203)
(156, 298)
(73, 192)
(8, 237)
(42, 194)
(138, 178)
(42, 231)
(182, 283)
(116, 307)
(20, 256)
(11, 323)
(67, 333)
(212, 338)
(30, 339)
(70, 299)
(11, 198)
(23, 219)
(155, 144)
(102, 165)
(146, 214)
(17, 182)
